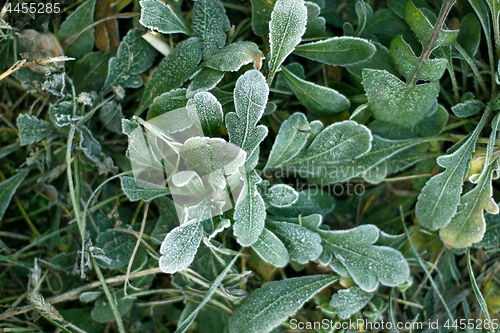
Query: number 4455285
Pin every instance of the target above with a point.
(33, 8)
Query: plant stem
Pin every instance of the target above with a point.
(110, 298)
(76, 206)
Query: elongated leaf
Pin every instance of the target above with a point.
(392, 101)
(368, 264)
(78, 23)
(208, 110)
(205, 80)
(31, 129)
(302, 244)
(288, 24)
(137, 189)
(232, 57)
(282, 195)
(8, 188)
(135, 55)
(250, 98)
(315, 24)
(179, 247)
(176, 68)
(379, 60)
(320, 100)
(166, 102)
(310, 201)
(347, 302)
(470, 34)
(271, 249)
(210, 23)
(160, 17)
(337, 51)
(438, 201)
(270, 305)
(111, 116)
(250, 212)
(90, 72)
(467, 108)
(291, 139)
(261, 15)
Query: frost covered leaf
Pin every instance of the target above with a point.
(261, 15)
(55, 84)
(379, 60)
(433, 123)
(160, 17)
(232, 57)
(135, 55)
(90, 72)
(291, 139)
(309, 202)
(166, 102)
(468, 225)
(320, 100)
(469, 36)
(467, 108)
(438, 201)
(337, 51)
(179, 247)
(368, 264)
(76, 23)
(250, 98)
(250, 212)
(339, 142)
(208, 110)
(205, 80)
(176, 68)
(271, 249)
(406, 62)
(137, 189)
(424, 29)
(347, 302)
(8, 188)
(281, 195)
(288, 24)
(102, 312)
(111, 116)
(31, 129)
(302, 244)
(117, 247)
(92, 151)
(315, 24)
(210, 23)
(270, 305)
(391, 100)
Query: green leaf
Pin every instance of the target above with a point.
(432, 124)
(250, 212)
(102, 312)
(393, 101)
(209, 112)
(90, 72)
(379, 60)
(281, 195)
(270, 305)
(31, 129)
(288, 24)
(160, 17)
(337, 51)
(92, 151)
(365, 15)
(310, 201)
(347, 302)
(468, 225)
(406, 62)
(250, 98)
(467, 108)
(75, 24)
(490, 239)
(315, 24)
(302, 244)
(205, 80)
(135, 55)
(137, 189)
(261, 15)
(470, 34)
(438, 201)
(271, 249)
(8, 188)
(232, 57)
(117, 247)
(166, 102)
(179, 247)
(320, 100)
(424, 29)
(483, 14)
(291, 139)
(210, 23)
(176, 68)
(368, 264)
(111, 116)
